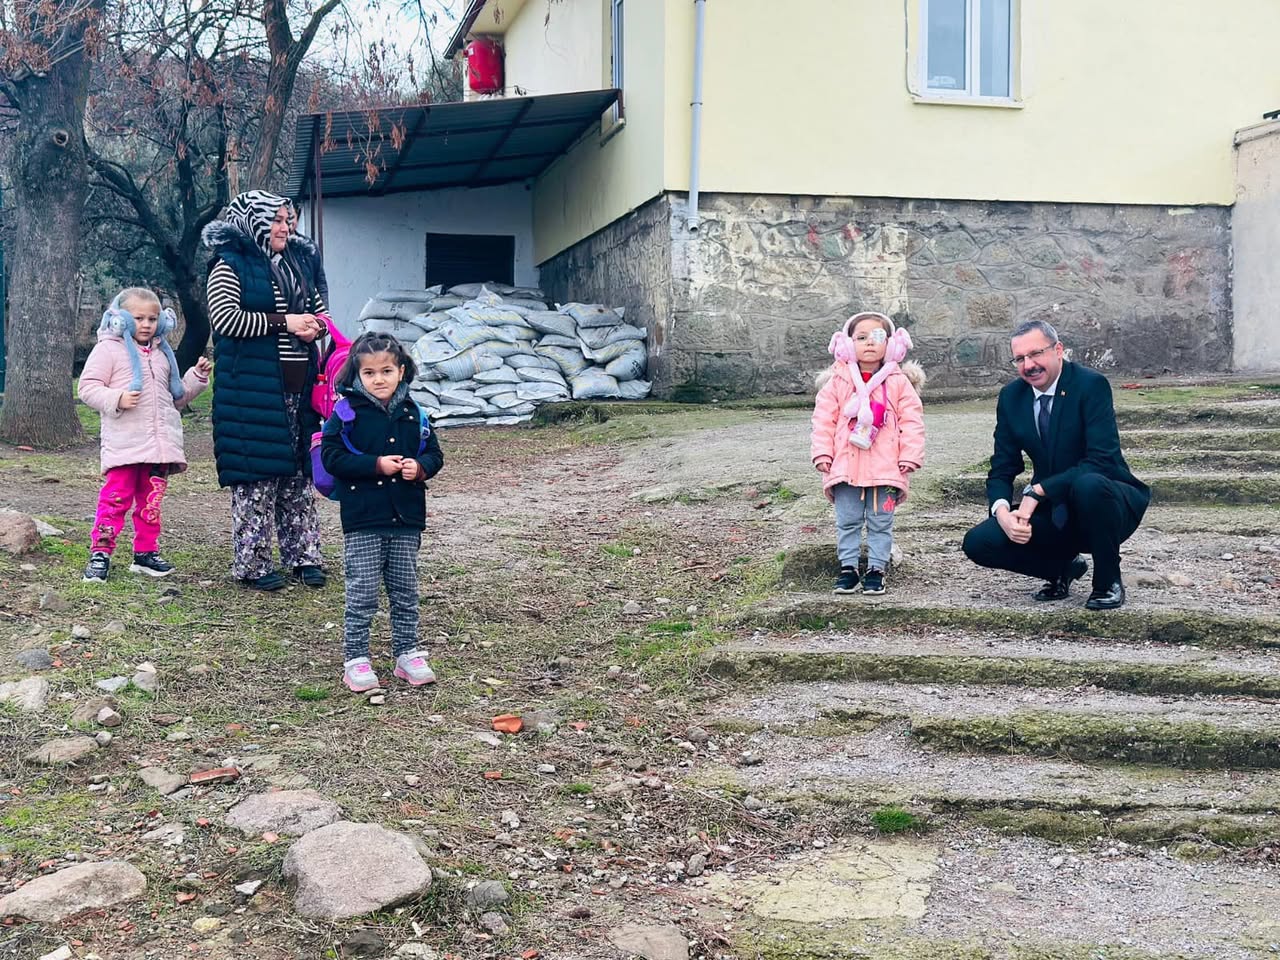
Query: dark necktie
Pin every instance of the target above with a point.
(1042, 418)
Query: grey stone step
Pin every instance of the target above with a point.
(960, 657)
(1247, 414)
(1200, 439)
(1081, 723)
(1198, 488)
(1128, 625)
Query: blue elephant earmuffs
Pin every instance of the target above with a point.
(119, 321)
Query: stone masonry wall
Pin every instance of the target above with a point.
(747, 305)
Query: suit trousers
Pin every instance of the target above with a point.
(1101, 515)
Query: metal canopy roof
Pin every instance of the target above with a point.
(470, 144)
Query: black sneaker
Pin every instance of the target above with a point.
(847, 582)
(873, 582)
(268, 582)
(152, 564)
(98, 568)
(311, 576)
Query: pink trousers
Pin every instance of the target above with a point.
(137, 485)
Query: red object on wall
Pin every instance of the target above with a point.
(484, 65)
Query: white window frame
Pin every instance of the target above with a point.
(973, 60)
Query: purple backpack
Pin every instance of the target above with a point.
(326, 482)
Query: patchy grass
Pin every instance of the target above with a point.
(620, 550)
(309, 694)
(896, 820)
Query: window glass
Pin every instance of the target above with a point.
(947, 43)
(993, 55)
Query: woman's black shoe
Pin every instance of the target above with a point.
(311, 576)
(268, 581)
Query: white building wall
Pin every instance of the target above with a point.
(371, 243)
(1255, 249)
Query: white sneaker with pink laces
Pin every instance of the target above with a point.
(358, 675)
(412, 667)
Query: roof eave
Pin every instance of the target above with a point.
(464, 27)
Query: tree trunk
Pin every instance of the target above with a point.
(190, 288)
(49, 183)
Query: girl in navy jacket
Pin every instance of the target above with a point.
(382, 459)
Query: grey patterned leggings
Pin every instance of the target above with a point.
(371, 559)
(285, 503)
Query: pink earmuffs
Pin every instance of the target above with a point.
(858, 409)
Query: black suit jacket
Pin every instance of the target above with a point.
(1083, 438)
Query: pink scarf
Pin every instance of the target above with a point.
(858, 410)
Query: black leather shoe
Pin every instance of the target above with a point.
(268, 582)
(311, 576)
(1106, 599)
(1060, 588)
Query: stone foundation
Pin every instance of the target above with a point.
(747, 305)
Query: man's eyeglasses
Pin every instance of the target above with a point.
(1033, 355)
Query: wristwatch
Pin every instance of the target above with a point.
(1030, 491)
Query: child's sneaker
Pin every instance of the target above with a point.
(358, 675)
(412, 668)
(98, 568)
(152, 564)
(847, 582)
(873, 582)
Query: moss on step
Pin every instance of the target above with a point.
(1198, 489)
(774, 666)
(1130, 626)
(1147, 827)
(1090, 737)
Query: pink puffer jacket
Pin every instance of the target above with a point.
(151, 432)
(900, 440)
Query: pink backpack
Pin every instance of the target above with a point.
(323, 394)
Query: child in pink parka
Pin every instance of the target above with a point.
(867, 440)
(131, 379)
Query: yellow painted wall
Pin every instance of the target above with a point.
(604, 176)
(1132, 101)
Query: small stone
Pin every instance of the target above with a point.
(35, 658)
(619, 788)
(288, 812)
(171, 835)
(486, 895)
(753, 803)
(631, 608)
(51, 601)
(419, 950)
(378, 699)
(114, 628)
(494, 923)
(47, 529)
(697, 735)
(199, 670)
(696, 866)
(161, 780)
(750, 759)
(1056, 862)
(614, 672)
(63, 752)
(102, 738)
(62, 953)
(205, 925)
(177, 736)
(546, 768)
(412, 780)
(248, 888)
(28, 567)
(1179, 580)
(147, 681)
(108, 717)
(112, 684)
(1228, 556)
(580, 913)
(363, 943)
(80, 632)
(29, 695)
(675, 868)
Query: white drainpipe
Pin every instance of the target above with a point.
(695, 141)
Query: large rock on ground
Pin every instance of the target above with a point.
(86, 886)
(86, 712)
(60, 753)
(290, 812)
(30, 694)
(162, 781)
(18, 533)
(350, 869)
(664, 942)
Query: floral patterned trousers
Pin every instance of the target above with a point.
(283, 503)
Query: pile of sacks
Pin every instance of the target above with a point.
(492, 353)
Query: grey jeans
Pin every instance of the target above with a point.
(372, 560)
(856, 506)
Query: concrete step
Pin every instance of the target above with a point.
(1127, 625)
(1212, 525)
(1200, 439)
(1200, 487)
(1081, 723)
(960, 657)
(888, 766)
(1247, 414)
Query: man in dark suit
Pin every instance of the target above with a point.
(1081, 498)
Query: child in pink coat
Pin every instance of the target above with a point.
(131, 379)
(867, 440)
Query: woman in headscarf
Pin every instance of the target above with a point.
(262, 308)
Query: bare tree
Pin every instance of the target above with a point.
(44, 74)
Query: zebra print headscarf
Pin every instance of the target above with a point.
(252, 212)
